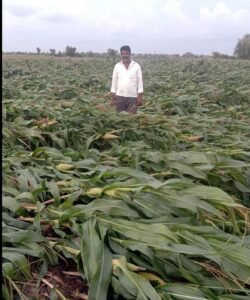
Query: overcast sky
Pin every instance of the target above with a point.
(148, 26)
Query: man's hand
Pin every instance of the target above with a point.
(113, 99)
(139, 100)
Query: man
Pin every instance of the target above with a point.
(127, 83)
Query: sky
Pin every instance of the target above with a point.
(148, 26)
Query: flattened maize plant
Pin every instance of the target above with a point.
(99, 205)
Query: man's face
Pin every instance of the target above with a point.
(125, 56)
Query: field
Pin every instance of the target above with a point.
(98, 205)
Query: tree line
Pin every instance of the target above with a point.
(72, 52)
(242, 50)
(69, 52)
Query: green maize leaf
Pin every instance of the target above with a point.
(54, 190)
(130, 284)
(183, 248)
(47, 152)
(116, 172)
(109, 207)
(152, 233)
(31, 249)
(12, 222)
(10, 190)
(20, 262)
(234, 297)
(10, 270)
(231, 164)
(213, 194)
(184, 291)
(87, 163)
(236, 252)
(101, 279)
(208, 232)
(184, 200)
(59, 141)
(189, 157)
(26, 195)
(169, 220)
(96, 260)
(242, 187)
(135, 246)
(187, 170)
(90, 244)
(193, 239)
(22, 236)
(91, 139)
(10, 203)
(151, 206)
(235, 270)
(62, 176)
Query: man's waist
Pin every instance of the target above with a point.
(127, 93)
(121, 98)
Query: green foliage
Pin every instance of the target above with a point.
(147, 206)
(242, 49)
(52, 51)
(70, 51)
(112, 53)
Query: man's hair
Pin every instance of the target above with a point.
(125, 48)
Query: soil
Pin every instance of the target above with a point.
(64, 277)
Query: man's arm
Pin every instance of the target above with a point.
(139, 99)
(140, 87)
(113, 99)
(113, 86)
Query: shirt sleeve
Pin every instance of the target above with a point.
(114, 80)
(139, 80)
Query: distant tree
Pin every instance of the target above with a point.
(216, 54)
(78, 54)
(112, 53)
(38, 50)
(52, 52)
(70, 51)
(90, 54)
(188, 54)
(242, 49)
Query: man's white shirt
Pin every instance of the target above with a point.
(127, 82)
